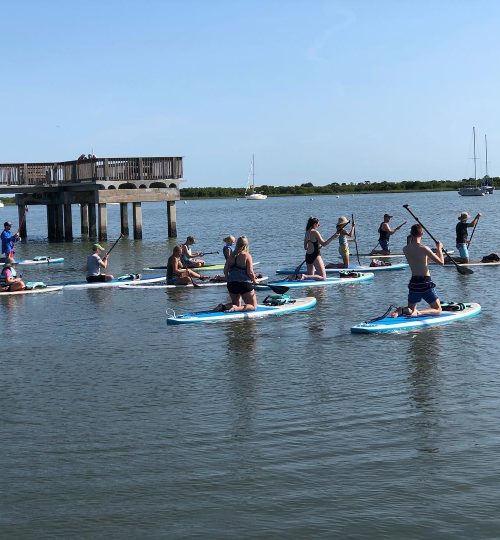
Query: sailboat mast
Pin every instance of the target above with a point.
(474, 137)
(486, 147)
(253, 171)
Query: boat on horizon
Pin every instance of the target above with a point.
(250, 193)
(475, 190)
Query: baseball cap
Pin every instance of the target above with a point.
(7, 224)
(97, 246)
(387, 216)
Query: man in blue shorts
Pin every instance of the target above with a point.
(421, 286)
(463, 235)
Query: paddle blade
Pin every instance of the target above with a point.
(464, 270)
(278, 289)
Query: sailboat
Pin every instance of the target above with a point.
(486, 184)
(475, 190)
(250, 193)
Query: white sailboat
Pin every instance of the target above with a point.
(475, 190)
(250, 193)
(487, 184)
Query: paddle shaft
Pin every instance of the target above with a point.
(460, 269)
(355, 239)
(210, 253)
(472, 234)
(113, 246)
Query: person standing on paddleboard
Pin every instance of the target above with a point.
(313, 242)
(176, 273)
(385, 232)
(463, 235)
(421, 286)
(241, 279)
(343, 237)
(188, 257)
(8, 240)
(94, 265)
(8, 277)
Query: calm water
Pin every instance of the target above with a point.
(114, 425)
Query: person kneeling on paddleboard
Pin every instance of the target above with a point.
(8, 277)
(241, 279)
(176, 273)
(94, 265)
(188, 257)
(421, 286)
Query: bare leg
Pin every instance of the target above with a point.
(434, 310)
(316, 270)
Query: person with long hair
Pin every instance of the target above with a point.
(313, 242)
(241, 279)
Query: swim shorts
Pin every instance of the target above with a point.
(240, 287)
(421, 288)
(463, 251)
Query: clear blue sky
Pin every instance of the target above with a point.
(319, 90)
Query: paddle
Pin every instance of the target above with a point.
(473, 230)
(209, 253)
(355, 239)
(278, 289)
(461, 269)
(113, 246)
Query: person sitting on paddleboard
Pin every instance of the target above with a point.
(313, 242)
(229, 246)
(176, 273)
(188, 257)
(94, 265)
(241, 279)
(8, 277)
(463, 235)
(385, 232)
(343, 237)
(421, 286)
(8, 240)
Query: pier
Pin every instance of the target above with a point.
(91, 184)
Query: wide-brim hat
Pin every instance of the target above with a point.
(342, 221)
(463, 215)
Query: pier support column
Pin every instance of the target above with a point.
(59, 222)
(137, 220)
(68, 222)
(51, 222)
(124, 218)
(92, 222)
(171, 219)
(21, 212)
(84, 220)
(102, 221)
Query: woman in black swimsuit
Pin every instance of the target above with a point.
(313, 242)
(241, 279)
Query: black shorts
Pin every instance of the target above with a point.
(239, 287)
(96, 279)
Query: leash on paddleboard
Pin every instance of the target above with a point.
(355, 239)
(389, 309)
(460, 269)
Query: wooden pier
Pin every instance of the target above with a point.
(92, 183)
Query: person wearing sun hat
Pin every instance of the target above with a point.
(463, 235)
(94, 265)
(343, 239)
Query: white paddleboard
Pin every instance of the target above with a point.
(298, 284)
(392, 324)
(399, 266)
(163, 284)
(31, 291)
(301, 304)
(113, 283)
(42, 260)
(206, 268)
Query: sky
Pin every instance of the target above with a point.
(319, 91)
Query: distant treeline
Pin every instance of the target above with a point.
(334, 188)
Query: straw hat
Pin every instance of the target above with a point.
(342, 221)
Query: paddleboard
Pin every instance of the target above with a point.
(113, 283)
(163, 284)
(320, 283)
(399, 266)
(391, 324)
(206, 268)
(42, 260)
(301, 304)
(472, 263)
(31, 291)
(391, 255)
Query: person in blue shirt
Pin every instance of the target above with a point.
(8, 239)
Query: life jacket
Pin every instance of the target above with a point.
(3, 277)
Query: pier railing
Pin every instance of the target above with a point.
(91, 170)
